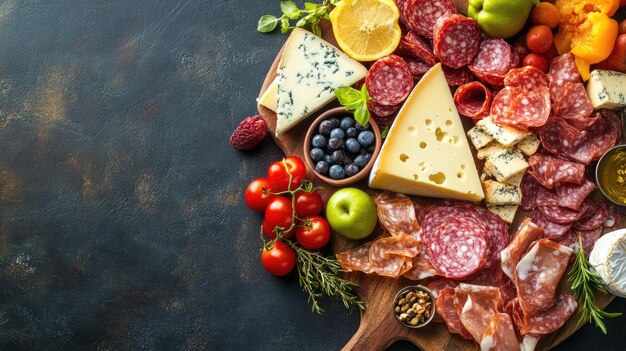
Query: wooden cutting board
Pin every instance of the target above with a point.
(378, 328)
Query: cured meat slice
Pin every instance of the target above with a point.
(527, 232)
(552, 230)
(497, 234)
(438, 285)
(503, 101)
(530, 189)
(417, 66)
(594, 216)
(396, 214)
(402, 7)
(473, 100)
(459, 247)
(389, 81)
(421, 268)
(615, 123)
(562, 71)
(494, 57)
(391, 256)
(549, 170)
(434, 215)
(457, 76)
(572, 195)
(602, 135)
(561, 215)
(447, 310)
(526, 78)
(500, 335)
(456, 40)
(549, 320)
(382, 110)
(422, 14)
(356, 259)
(589, 238)
(560, 138)
(413, 45)
(475, 305)
(528, 109)
(572, 104)
(538, 273)
(384, 121)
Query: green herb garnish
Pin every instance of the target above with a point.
(385, 132)
(310, 16)
(585, 284)
(356, 101)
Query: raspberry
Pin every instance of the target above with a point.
(250, 132)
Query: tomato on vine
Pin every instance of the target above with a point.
(278, 259)
(279, 213)
(256, 195)
(279, 171)
(314, 233)
(308, 204)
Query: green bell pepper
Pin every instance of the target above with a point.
(500, 18)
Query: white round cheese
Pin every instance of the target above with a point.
(609, 259)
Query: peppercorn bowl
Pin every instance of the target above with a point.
(414, 306)
(340, 151)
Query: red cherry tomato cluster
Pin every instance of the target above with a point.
(290, 206)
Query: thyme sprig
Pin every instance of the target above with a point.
(585, 284)
(309, 16)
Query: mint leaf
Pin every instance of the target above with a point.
(347, 95)
(362, 114)
(290, 9)
(284, 25)
(267, 23)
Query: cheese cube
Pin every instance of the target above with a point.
(505, 135)
(494, 149)
(426, 152)
(515, 179)
(529, 145)
(478, 137)
(505, 165)
(607, 89)
(497, 193)
(269, 97)
(506, 212)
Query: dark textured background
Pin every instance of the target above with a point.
(122, 225)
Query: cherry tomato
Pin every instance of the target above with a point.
(539, 39)
(256, 197)
(278, 214)
(279, 259)
(314, 233)
(622, 27)
(536, 61)
(545, 13)
(308, 204)
(278, 175)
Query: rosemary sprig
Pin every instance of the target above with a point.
(585, 284)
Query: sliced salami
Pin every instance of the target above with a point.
(528, 109)
(389, 81)
(473, 100)
(572, 195)
(572, 104)
(503, 101)
(589, 238)
(529, 188)
(526, 78)
(547, 321)
(552, 230)
(459, 248)
(497, 234)
(356, 259)
(492, 62)
(392, 256)
(560, 138)
(549, 170)
(562, 71)
(457, 76)
(396, 214)
(456, 40)
(413, 45)
(382, 110)
(594, 216)
(402, 7)
(601, 136)
(422, 14)
(417, 66)
(561, 215)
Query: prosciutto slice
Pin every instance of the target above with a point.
(396, 214)
(547, 321)
(475, 305)
(527, 232)
(500, 335)
(447, 310)
(421, 268)
(538, 273)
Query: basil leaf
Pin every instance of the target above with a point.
(267, 23)
(362, 114)
(365, 93)
(310, 6)
(346, 95)
(290, 9)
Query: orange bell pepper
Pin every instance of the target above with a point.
(586, 30)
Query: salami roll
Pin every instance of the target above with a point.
(493, 61)
(413, 45)
(473, 100)
(382, 110)
(572, 104)
(457, 76)
(389, 81)
(456, 40)
(422, 14)
(526, 78)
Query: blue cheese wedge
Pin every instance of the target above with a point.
(506, 212)
(309, 72)
(478, 137)
(269, 97)
(607, 89)
(493, 149)
(505, 135)
(515, 179)
(497, 193)
(505, 165)
(529, 145)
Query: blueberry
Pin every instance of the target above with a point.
(362, 160)
(318, 141)
(322, 167)
(334, 123)
(336, 172)
(325, 127)
(340, 157)
(351, 169)
(360, 127)
(328, 159)
(346, 122)
(317, 154)
(366, 138)
(337, 133)
(371, 148)
(353, 146)
(335, 144)
(351, 132)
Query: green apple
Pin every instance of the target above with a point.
(351, 213)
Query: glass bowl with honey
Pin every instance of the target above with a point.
(611, 174)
